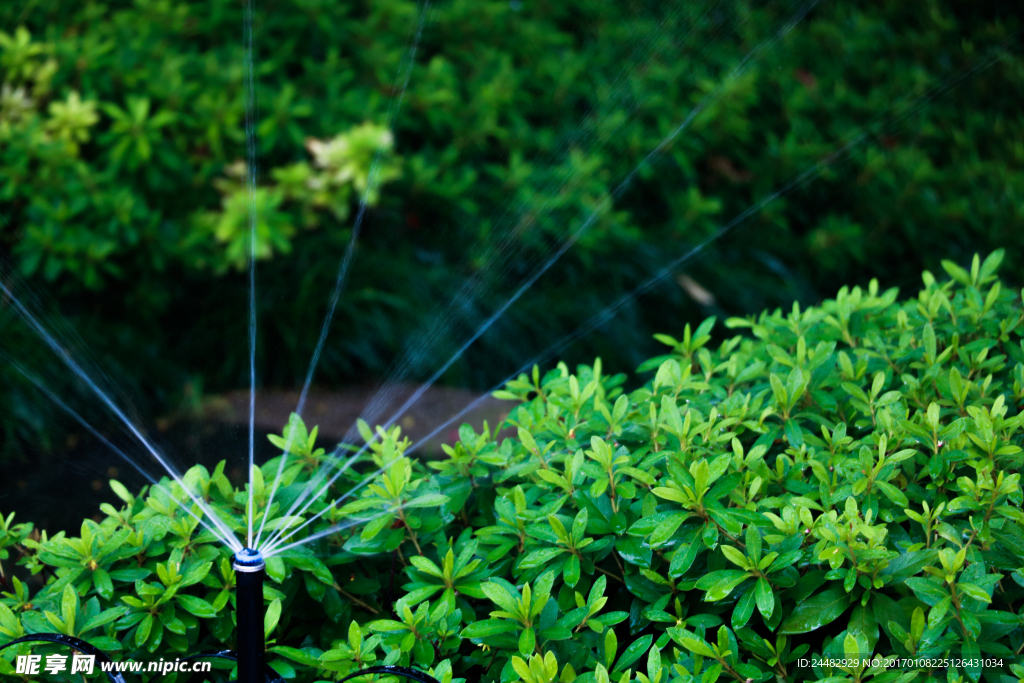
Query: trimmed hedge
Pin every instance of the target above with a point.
(839, 482)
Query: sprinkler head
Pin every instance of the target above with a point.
(248, 560)
(250, 647)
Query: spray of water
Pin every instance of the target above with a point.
(341, 279)
(278, 549)
(708, 99)
(501, 253)
(902, 109)
(77, 370)
(251, 171)
(899, 111)
(465, 297)
(606, 204)
(216, 532)
(284, 534)
(373, 180)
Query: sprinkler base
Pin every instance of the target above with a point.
(250, 647)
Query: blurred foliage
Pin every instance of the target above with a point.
(122, 140)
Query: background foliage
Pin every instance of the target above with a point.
(840, 482)
(121, 131)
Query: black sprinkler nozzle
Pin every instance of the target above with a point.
(249, 569)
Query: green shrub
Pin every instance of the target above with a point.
(843, 483)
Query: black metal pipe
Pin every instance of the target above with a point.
(250, 646)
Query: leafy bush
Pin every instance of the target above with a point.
(843, 483)
(121, 125)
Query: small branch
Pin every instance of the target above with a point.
(730, 536)
(412, 537)
(608, 573)
(622, 570)
(357, 601)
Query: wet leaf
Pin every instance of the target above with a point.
(817, 611)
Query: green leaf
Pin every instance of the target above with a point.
(665, 531)
(426, 566)
(579, 526)
(307, 656)
(121, 492)
(743, 610)
(695, 645)
(971, 653)
(765, 598)
(102, 619)
(427, 500)
(611, 645)
(69, 607)
(938, 611)
(143, 630)
(719, 584)
(674, 495)
(634, 652)
(196, 606)
(893, 493)
(735, 556)
(956, 272)
(683, 559)
(392, 626)
(130, 575)
(271, 617)
(312, 564)
(527, 642)
(539, 558)
(991, 265)
(816, 611)
(753, 539)
(571, 571)
(489, 627)
(863, 621)
(909, 564)
(794, 435)
(930, 345)
(779, 392)
(501, 596)
(974, 592)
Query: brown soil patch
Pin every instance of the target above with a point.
(336, 412)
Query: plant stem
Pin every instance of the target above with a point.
(357, 600)
(622, 570)
(608, 573)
